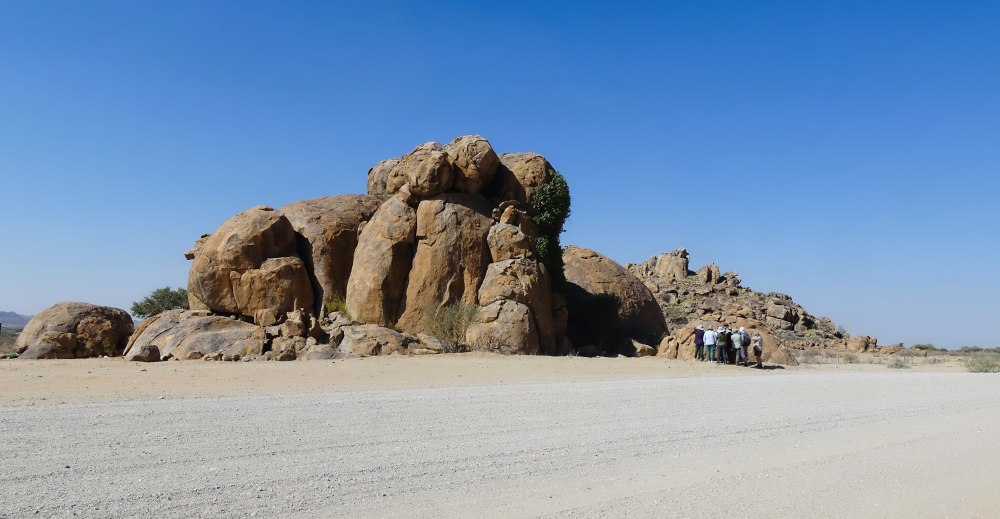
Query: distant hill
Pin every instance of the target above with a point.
(12, 319)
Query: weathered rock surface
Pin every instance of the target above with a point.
(279, 286)
(475, 163)
(451, 258)
(428, 170)
(505, 327)
(589, 274)
(326, 237)
(386, 177)
(711, 298)
(517, 178)
(382, 263)
(523, 281)
(242, 243)
(371, 339)
(75, 330)
(193, 334)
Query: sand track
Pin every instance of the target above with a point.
(798, 444)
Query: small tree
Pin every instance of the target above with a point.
(161, 300)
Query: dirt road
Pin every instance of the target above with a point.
(796, 444)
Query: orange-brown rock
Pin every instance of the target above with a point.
(475, 163)
(505, 327)
(451, 258)
(242, 243)
(75, 330)
(428, 170)
(327, 235)
(382, 263)
(517, 178)
(589, 274)
(191, 334)
(386, 177)
(523, 281)
(279, 286)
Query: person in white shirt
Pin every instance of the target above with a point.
(710, 340)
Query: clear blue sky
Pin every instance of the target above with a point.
(845, 153)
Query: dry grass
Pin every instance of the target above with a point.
(982, 362)
(450, 322)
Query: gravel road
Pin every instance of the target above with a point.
(787, 445)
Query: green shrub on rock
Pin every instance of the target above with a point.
(551, 206)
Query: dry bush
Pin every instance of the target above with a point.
(898, 363)
(982, 362)
(936, 360)
(810, 356)
(849, 358)
(450, 322)
(491, 344)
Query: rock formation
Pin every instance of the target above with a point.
(708, 298)
(435, 226)
(75, 330)
(326, 231)
(588, 275)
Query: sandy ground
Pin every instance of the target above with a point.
(92, 380)
(487, 436)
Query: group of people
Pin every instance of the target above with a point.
(727, 346)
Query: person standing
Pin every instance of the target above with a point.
(758, 348)
(699, 343)
(724, 342)
(743, 340)
(710, 340)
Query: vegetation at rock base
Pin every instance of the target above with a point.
(551, 205)
(450, 322)
(982, 362)
(160, 300)
(850, 358)
(339, 304)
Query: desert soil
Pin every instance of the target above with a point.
(487, 436)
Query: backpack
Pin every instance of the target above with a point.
(745, 339)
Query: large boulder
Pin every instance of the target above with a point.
(382, 263)
(428, 170)
(673, 265)
(506, 327)
(370, 339)
(526, 282)
(327, 234)
(475, 163)
(859, 343)
(279, 286)
(386, 177)
(245, 242)
(517, 178)
(451, 258)
(75, 330)
(589, 274)
(193, 334)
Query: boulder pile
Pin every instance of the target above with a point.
(372, 274)
(710, 297)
